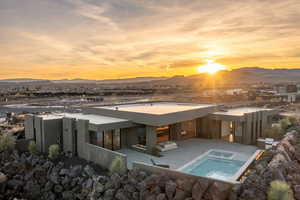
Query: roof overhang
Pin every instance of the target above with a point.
(228, 117)
(154, 119)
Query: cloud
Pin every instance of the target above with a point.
(184, 64)
(93, 12)
(109, 38)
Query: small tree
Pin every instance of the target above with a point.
(7, 142)
(53, 151)
(280, 190)
(117, 165)
(32, 148)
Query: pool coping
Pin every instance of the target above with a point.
(235, 176)
(246, 165)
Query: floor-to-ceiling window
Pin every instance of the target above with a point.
(117, 139)
(163, 134)
(188, 129)
(109, 139)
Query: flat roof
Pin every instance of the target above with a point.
(240, 111)
(93, 119)
(157, 108)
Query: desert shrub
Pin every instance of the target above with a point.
(285, 124)
(7, 142)
(294, 121)
(53, 151)
(280, 190)
(117, 165)
(32, 148)
(275, 132)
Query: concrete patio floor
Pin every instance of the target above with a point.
(187, 151)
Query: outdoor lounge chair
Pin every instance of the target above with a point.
(159, 165)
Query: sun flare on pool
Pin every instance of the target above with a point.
(211, 67)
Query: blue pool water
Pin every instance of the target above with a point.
(213, 167)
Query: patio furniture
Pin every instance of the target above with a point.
(166, 146)
(266, 143)
(139, 147)
(159, 165)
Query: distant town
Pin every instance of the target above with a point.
(208, 136)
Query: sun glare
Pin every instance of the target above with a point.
(211, 67)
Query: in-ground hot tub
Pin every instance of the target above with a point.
(218, 164)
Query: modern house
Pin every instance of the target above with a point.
(142, 126)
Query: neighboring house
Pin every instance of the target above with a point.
(287, 93)
(142, 126)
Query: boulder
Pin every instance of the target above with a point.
(179, 194)
(64, 172)
(14, 184)
(54, 178)
(116, 180)
(161, 196)
(170, 189)
(68, 195)
(199, 188)
(297, 192)
(219, 191)
(89, 171)
(152, 180)
(129, 188)
(3, 178)
(121, 195)
(58, 189)
(185, 185)
(76, 171)
(109, 194)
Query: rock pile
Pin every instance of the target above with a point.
(27, 176)
(280, 163)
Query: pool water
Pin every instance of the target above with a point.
(221, 154)
(214, 165)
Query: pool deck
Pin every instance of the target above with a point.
(189, 150)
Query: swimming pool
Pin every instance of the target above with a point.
(215, 164)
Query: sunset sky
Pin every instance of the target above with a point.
(102, 39)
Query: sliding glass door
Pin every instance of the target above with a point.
(117, 140)
(109, 139)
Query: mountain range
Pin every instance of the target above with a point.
(241, 75)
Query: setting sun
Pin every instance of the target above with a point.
(211, 67)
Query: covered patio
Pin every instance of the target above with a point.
(187, 151)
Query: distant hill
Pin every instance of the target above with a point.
(22, 80)
(236, 76)
(112, 81)
(243, 75)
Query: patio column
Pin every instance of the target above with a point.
(264, 121)
(247, 134)
(68, 135)
(151, 138)
(238, 132)
(82, 138)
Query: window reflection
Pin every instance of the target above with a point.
(109, 139)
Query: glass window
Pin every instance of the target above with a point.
(108, 139)
(100, 139)
(93, 137)
(163, 134)
(188, 129)
(117, 140)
